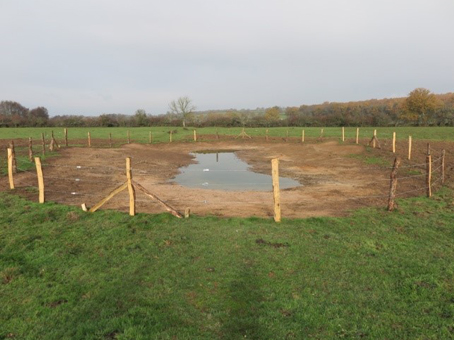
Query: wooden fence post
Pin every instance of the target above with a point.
(170, 136)
(428, 172)
(357, 135)
(393, 185)
(52, 142)
(343, 134)
(195, 136)
(443, 155)
(409, 147)
(30, 149)
(43, 141)
(374, 139)
(110, 139)
(89, 139)
(321, 133)
(13, 157)
(66, 137)
(39, 174)
(394, 142)
(276, 192)
(302, 136)
(132, 194)
(10, 168)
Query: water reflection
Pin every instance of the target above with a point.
(225, 171)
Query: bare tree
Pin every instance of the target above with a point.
(183, 107)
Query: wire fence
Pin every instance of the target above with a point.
(79, 183)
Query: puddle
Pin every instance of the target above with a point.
(225, 171)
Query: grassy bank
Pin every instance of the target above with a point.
(66, 274)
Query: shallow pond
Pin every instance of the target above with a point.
(225, 171)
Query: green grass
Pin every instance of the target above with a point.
(66, 274)
(369, 158)
(160, 134)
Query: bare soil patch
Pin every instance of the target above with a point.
(334, 178)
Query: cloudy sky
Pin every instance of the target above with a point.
(102, 56)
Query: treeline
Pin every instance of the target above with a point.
(14, 114)
(420, 108)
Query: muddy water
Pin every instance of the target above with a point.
(225, 171)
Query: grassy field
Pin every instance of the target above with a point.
(66, 274)
(160, 134)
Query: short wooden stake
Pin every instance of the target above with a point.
(39, 175)
(13, 157)
(132, 194)
(302, 136)
(443, 155)
(393, 185)
(66, 137)
(30, 149)
(43, 141)
(343, 134)
(110, 139)
(170, 136)
(89, 140)
(357, 135)
(10, 169)
(187, 213)
(276, 192)
(84, 207)
(409, 147)
(429, 175)
(129, 137)
(394, 142)
(374, 139)
(321, 133)
(195, 136)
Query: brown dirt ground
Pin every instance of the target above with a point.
(334, 176)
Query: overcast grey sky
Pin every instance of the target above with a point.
(102, 56)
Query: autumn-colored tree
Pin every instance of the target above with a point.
(420, 106)
(272, 114)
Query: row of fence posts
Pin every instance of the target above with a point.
(53, 143)
(428, 178)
